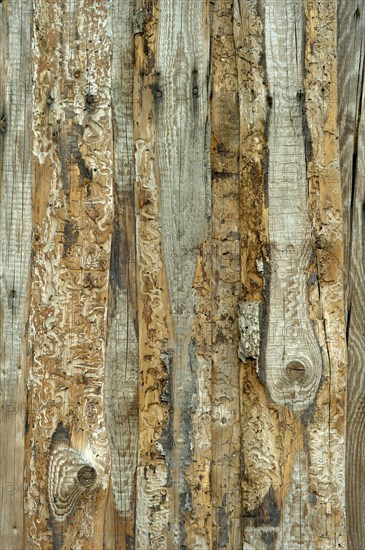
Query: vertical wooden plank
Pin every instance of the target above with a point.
(292, 341)
(196, 502)
(154, 482)
(327, 478)
(226, 288)
(67, 459)
(182, 64)
(170, 130)
(15, 228)
(121, 374)
(351, 28)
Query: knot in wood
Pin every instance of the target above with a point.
(295, 371)
(86, 475)
(3, 123)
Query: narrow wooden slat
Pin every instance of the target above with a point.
(154, 514)
(226, 287)
(121, 370)
(171, 274)
(351, 43)
(67, 458)
(15, 230)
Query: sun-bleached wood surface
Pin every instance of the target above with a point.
(15, 247)
(173, 367)
(351, 27)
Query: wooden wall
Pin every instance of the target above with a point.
(182, 274)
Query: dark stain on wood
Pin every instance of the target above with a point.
(269, 538)
(223, 532)
(115, 274)
(71, 236)
(167, 396)
(268, 513)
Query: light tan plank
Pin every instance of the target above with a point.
(154, 484)
(226, 286)
(67, 459)
(15, 229)
(182, 65)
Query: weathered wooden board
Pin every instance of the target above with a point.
(226, 282)
(121, 369)
(292, 323)
(15, 229)
(351, 29)
(67, 454)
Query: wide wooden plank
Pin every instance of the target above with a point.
(67, 454)
(292, 323)
(170, 129)
(15, 230)
(351, 29)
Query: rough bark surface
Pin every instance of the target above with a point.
(173, 337)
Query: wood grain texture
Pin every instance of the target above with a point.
(67, 459)
(154, 507)
(121, 369)
(226, 282)
(171, 274)
(351, 25)
(291, 347)
(182, 69)
(15, 228)
(293, 415)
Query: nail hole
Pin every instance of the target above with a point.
(86, 475)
